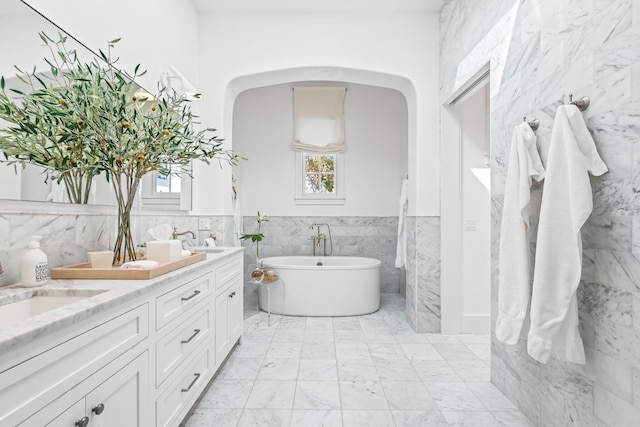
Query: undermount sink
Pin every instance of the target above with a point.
(207, 249)
(36, 302)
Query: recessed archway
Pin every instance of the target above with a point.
(400, 84)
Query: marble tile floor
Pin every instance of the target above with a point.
(369, 370)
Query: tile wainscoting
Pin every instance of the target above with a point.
(67, 237)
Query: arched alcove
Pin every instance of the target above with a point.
(271, 91)
(325, 74)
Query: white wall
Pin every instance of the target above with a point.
(400, 46)
(476, 207)
(375, 159)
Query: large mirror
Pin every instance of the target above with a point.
(22, 47)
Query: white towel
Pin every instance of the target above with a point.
(139, 265)
(237, 219)
(401, 249)
(567, 202)
(514, 286)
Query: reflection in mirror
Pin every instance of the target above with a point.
(169, 182)
(22, 25)
(25, 57)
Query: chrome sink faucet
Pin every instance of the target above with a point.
(175, 233)
(321, 237)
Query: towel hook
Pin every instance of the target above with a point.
(533, 124)
(582, 103)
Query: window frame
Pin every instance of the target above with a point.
(335, 198)
(180, 201)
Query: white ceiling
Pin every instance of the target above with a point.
(319, 6)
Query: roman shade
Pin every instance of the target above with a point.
(319, 119)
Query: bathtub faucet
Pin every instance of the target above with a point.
(321, 237)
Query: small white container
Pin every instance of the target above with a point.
(101, 259)
(164, 251)
(34, 264)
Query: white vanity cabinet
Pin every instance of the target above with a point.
(229, 307)
(199, 339)
(142, 362)
(185, 324)
(72, 364)
(119, 401)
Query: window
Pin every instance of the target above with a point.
(319, 178)
(320, 173)
(171, 191)
(170, 182)
(319, 142)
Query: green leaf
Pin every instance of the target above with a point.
(40, 81)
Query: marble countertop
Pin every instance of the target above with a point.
(101, 295)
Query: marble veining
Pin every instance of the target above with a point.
(540, 51)
(115, 292)
(67, 237)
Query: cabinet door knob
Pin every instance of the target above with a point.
(98, 409)
(233, 294)
(82, 422)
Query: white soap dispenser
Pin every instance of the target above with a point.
(34, 264)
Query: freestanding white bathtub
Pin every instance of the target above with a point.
(322, 286)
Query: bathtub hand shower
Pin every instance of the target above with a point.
(317, 238)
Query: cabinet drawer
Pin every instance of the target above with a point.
(173, 404)
(121, 390)
(174, 348)
(180, 300)
(226, 273)
(29, 386)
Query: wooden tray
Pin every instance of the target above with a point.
(84, 271)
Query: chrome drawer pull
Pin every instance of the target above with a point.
(195, 293)
(82, 422)
(233, 294)
(195, 332)
(184, 390)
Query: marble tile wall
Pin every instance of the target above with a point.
(541, 51)
(423, 274)
(67, 237)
